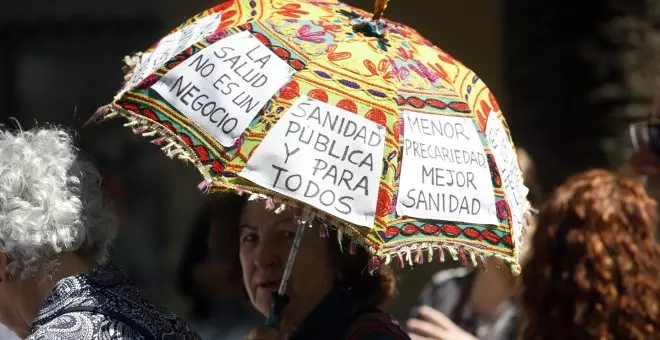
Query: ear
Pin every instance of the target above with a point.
(4, 261)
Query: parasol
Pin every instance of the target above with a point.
(357, 119)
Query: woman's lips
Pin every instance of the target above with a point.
(272, 285)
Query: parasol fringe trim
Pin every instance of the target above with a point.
(173, 141)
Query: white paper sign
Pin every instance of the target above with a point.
(173, 44)
(223, 87)
(507, 163)
(324, 156)
(445, 173)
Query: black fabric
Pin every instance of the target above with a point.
(333, 317)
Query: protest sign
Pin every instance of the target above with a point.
(324, 156)
(224, 86)
(173, 44)
(507, 163)
(445, 173)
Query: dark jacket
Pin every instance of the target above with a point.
(346, 315)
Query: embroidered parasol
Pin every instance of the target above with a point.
(359, 120)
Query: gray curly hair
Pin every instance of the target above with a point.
(51, 201)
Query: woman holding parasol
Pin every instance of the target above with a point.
(331, 293)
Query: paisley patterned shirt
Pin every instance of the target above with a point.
(103, 304)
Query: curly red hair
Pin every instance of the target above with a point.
(594, 271)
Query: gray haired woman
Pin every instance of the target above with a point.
(55, 229)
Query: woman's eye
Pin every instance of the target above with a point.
(249, 238)
(289, 235)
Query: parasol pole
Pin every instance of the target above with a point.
(380, 7)
(280, 298)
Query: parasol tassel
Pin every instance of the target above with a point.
(374, 265)
(132, 122)
(270, 204)
(441, 254)
(409, 256)
(159, 141)
(323, 231)
(419, 258)
(205, 185)
(388, 259)
(102, 113)
(473, 257)
(340, 237)
(280, 209)
(399, 257)
(461, 254)
(352, 248)
(430, 252)
(483, 262)
(168, 146)
(150, 133)
(453, 253)
(139, 130)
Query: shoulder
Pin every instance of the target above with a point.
(84, 326)
(376, 325)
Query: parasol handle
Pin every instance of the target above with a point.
(275, 317)
(280, 299)
(381, 6)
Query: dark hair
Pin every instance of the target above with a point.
(378, 288)
(594, 269)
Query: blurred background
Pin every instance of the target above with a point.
(569, 77)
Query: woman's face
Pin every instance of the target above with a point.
(265, 242)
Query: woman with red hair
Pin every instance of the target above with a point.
(594, 270)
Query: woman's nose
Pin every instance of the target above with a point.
(266, 255)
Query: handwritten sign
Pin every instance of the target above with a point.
(173, 44)
(445, 173)
(223, 87)
(507, 163)
(324, 156)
